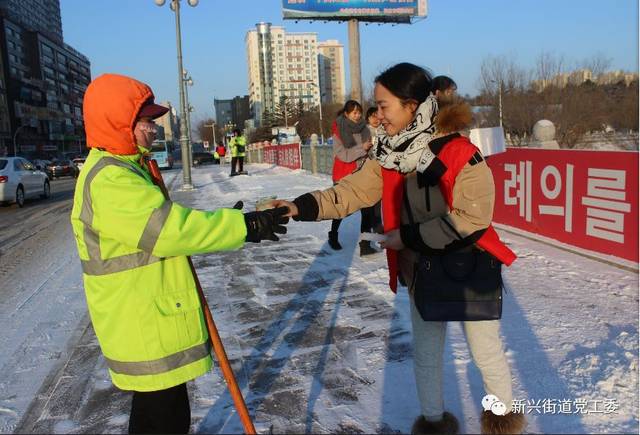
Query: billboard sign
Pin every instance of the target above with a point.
(398, 11)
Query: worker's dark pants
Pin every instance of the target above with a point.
(237, 161)
(164, 411)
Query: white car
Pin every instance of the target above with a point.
(79, 162)
(19, 179)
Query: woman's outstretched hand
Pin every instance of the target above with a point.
(277, 203)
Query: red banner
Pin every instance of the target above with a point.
(287, 155)
(587, 199)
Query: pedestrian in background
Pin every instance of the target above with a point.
(371, 216)
(133, 245)
(444, 89)
(412, 157)
(351, 141)
(222, 152)
(237, 144)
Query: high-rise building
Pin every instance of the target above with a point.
(41, 16)
(43, 79)
(224, 111)
(232, 113)
(332, 71)
(169, 123)
(282, 66)
(241, 110)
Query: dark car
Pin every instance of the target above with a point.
(202, 158)
(43, 165)
(63, 168)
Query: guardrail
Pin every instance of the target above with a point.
(587, 199)
(312, 158)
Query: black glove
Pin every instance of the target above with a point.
(262, 225)
(238, 205)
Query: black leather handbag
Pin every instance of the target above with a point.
(463, 284)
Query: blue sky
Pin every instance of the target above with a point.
(137, 38)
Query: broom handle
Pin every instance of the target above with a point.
(218, 347)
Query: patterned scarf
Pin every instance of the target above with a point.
(408, 150)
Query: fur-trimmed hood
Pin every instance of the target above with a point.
(453, 117)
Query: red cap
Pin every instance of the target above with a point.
(152, 110)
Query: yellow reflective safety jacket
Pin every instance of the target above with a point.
(238, 146)
(141, 295)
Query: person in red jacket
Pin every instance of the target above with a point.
(222, 151)
(351, 142)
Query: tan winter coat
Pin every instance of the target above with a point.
(473, 200)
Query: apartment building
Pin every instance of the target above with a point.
(42, 82)
(331, 71)
(282, 67)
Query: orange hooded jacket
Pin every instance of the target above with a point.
(111, 105)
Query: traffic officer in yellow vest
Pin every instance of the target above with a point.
(237, 144)
(133, 243)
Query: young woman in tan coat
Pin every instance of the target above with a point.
(406, 149)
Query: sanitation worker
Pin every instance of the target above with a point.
(237, 144)
(133, 245)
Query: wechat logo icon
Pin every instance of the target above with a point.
(493, 404)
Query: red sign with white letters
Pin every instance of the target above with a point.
(587, 199)
(287, 155)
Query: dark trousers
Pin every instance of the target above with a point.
(335, 224)
(237, 161)
(370, 219)
(368, 222)
(164, 411)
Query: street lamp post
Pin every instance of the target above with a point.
(499, 82)
(15, 136)
(213, 129)
(184, 138)
(500, 100)
(286, 121)
(188, 81)
(320, 108)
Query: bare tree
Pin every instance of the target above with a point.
(548, 66)
(502, 70)
(598, 64)
(502, 78)
(205, 131)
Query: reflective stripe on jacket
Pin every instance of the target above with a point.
(238, 146)
(141, 295)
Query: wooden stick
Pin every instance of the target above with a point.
(218, 347)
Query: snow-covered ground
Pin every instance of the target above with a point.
(319, 344)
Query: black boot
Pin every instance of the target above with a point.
(366, 248)
(333, 241)
(447, 425)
